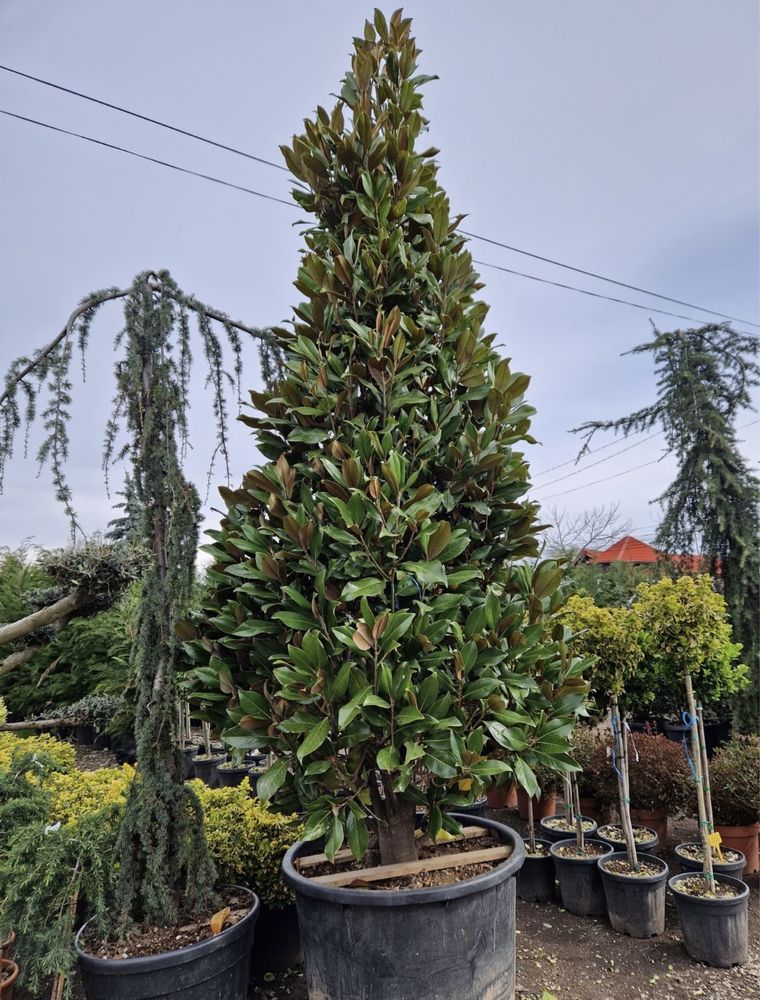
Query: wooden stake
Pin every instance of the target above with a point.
(624, 794)
(704, 833)
(404, 868)
(705, 768)
(568, 791)
(580, 839)
(312, 860)
(531, 827)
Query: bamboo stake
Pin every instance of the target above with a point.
(625, 798)
(568, 803)
(705, 768)
(207, 738)
(531, 827)
(704, 834)
(580, 839)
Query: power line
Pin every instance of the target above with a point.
(150, 159)
(611, 281)
(278, 166)
(573, 461)
(145, 118)
(599, 461)
(604, 480)
(586, 291)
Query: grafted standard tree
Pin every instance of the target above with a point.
(165, 871)
(705, 379)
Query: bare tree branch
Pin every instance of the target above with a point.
(571, 534)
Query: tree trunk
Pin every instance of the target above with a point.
(17, 658)
(395, 826)
(707, 865)
(9, 727)
(45, 616)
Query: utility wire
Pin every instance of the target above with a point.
(599, 461)
(290, 204)
(144, 118)
(595, 295)
(150, 159)
(601, 277)
(279, 166)
(574, 461)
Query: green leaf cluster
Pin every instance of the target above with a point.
(377, 612)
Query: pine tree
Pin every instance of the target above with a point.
(705, 379)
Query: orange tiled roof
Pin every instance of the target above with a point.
(632, 550)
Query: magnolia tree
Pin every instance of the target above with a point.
(372, 618)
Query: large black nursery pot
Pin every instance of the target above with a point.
(714, 930)
(206, 768)
(554, 836)
(733, 868)
(214, 969)
(84, 734)
(189, 753)
(278, 940)
(455, 940)
(535, 880)
(617, 843)
(635, 904)
(580, 883)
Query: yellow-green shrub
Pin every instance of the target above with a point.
(82, 793)
(247, 840)
(61, 753)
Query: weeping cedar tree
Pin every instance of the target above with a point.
(165, 870)
(705, 378)
(373, 619)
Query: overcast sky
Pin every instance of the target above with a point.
(620, 138)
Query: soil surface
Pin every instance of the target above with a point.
(562, 824)
(156, 940)
(622, 867)
(589, 851)
(614, 832)
(91, 759)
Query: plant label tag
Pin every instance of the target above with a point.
(714, 840)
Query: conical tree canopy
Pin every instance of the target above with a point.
(374, 619)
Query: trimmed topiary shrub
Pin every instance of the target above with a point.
(735, 782)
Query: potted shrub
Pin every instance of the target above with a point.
(589, 751)
(248, 841)
(735, 794)
(575, 863)
(561, 825)
(377, 615)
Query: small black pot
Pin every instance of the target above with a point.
(278, 940)
(256, 760)
(580, 882)
(229, 777)
(84, 734)
(206, 769)
(714, 930)
(734, 868)
(253, 776)
(476, 808)
(217, 967)
(715, 734)
(645, 846)
(554, 836)
(125, 749)
(535, 880)
(103, 741)
(675, 731)
(188, 761)
(635, 906)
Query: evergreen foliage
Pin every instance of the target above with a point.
(165, 872)
(705, 379)
(374, 619)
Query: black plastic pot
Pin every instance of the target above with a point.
(206, 769)
(716, 733)
(278, 940)
(635, 905)
(734, 868)
(103, 741)
(188, 761)
(84, 734)
(125, 749)
(476, 808)
(580, 882)
(256, 759)
(554, 836)
(675, 731)
(650, 844)
(455, 940)
(714, 930)
(216, 968)
(229, 777)
(535, 880)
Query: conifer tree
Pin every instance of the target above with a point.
(705, 379)
(376, 617)
(165, 871)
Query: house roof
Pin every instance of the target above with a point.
(633, 550)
